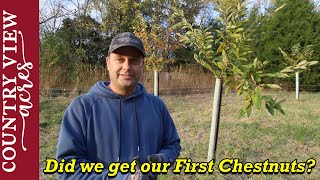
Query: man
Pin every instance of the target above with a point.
(118, 121)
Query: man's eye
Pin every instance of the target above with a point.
(135, 61)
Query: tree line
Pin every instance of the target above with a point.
(74, 34)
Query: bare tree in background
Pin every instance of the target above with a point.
(51, 14)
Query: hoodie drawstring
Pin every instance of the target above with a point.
(119, 131)
(137, 124)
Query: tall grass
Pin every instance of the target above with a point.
(83, 77)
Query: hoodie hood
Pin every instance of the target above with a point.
(101, 89)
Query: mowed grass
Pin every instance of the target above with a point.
(279, 138)
(51, 112)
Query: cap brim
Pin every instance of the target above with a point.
(123, 45)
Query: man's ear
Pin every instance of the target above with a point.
(142, 65)
(107, 62)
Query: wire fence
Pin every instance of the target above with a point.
(189, 79)
(308, 88)
(56, 92)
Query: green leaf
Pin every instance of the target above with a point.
(245, 86)
(221, 66)
(312, 63)
(273, 86)
(248, 66)
(300, 68)
(279, 108)
(235, 35)
(287, 70)
(279, 8)
(282, 75)
(255, 62)
(239, 29)
(219, 32)
(189, 33)
(237, 70)
(249, 108)
(217, 40)
(245, 53)
(270, 109)
(235, 52)
(278, 75)
(241, 114)
(302, 63)
(257, 98)
(239, 86)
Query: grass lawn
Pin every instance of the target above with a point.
(279, 138)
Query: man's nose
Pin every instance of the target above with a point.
(126, 65)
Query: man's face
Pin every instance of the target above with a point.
(125, 66)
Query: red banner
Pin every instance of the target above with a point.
(19, 89)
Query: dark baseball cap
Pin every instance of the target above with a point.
(126, 39)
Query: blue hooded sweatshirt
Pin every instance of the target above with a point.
(102, 126)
